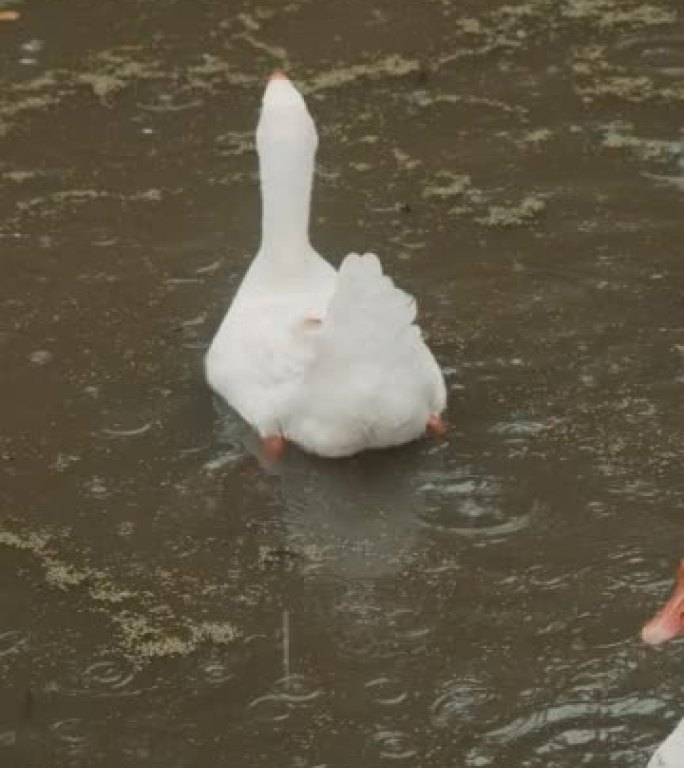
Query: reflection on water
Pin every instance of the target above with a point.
(168, 597)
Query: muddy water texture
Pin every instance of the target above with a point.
(468, 602)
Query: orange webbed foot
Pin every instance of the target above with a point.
(436, 426)
(273, 446)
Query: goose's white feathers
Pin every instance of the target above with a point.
(670, 754)
(330, 360)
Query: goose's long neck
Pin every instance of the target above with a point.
(286, 185)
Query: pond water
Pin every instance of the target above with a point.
(166, 600)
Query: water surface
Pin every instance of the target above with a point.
(473, 601)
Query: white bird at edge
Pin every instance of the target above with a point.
(330, 360)
(666, 625)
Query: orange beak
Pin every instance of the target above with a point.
(668, 623)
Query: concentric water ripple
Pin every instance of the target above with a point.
(288, 695)
(366, 630)
(459, 701)
(72, 734)
(120, 433)
(393, 744)
(387, 691)
(12, 642)
(578, 728)
(217, 670)
(655, 53)
(8, 738)
(106, 678)
(470, 504)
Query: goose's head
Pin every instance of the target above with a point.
(668, 623)
(286, 134)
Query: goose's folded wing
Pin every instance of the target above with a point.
(367, 315)
(368, 339)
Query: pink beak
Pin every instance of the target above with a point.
(668, 623)
(277, 75)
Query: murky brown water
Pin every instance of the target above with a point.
(473, 602)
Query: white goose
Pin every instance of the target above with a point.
(670, 754)
(667, 624)
(330, 360)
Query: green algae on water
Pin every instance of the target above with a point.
(147, 628)
(621, 137)
(390, 66)
(452, 185)
(537, 136)
(634, 88)
(30, 542)
(513, 216)
(612, 13)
